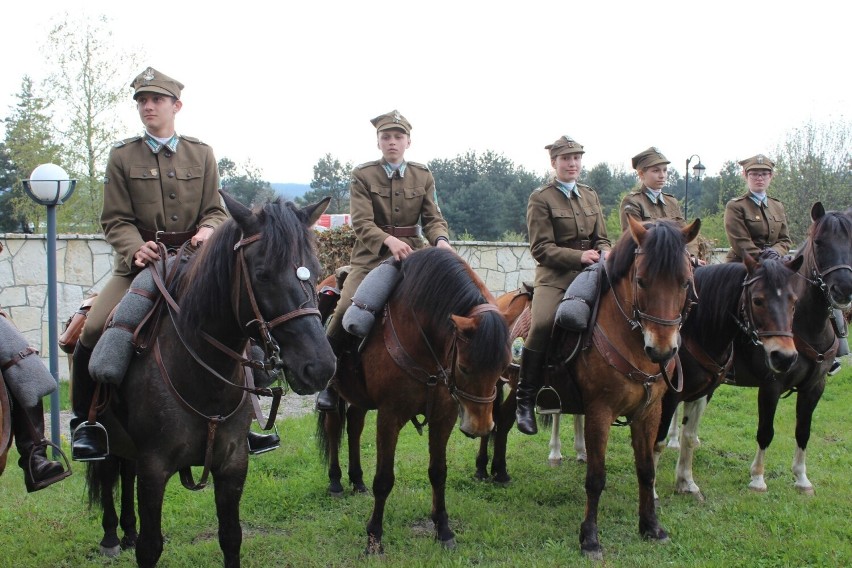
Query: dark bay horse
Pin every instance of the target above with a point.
(182, 401)
(437, 351)
(824, 283)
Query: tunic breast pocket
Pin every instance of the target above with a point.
(144, 185)
(190, 184)
(563, 222)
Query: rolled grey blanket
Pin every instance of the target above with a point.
(370, 297)
(114, 350)
(575, 309)
(27, 378)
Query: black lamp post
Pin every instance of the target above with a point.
(698, 171)
(49, 186)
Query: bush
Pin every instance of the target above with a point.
(334, 248)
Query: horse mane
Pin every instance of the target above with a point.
(664, 249)
(438, 283)
(204, 286)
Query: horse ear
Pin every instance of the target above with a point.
(750, 264)
(314, 211)
(817, 210)
(637, 230)
(795, 264)
(691, 230)
(238, 211)
(464, 325)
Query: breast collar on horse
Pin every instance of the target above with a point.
(272, 360)
(620, 363)
(442, 375)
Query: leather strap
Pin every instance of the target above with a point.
(170, 240)
(396, 231)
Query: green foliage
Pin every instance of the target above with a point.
(244, 183)
(334, 248)
(513, 237)
(331, 179)
(10, 222)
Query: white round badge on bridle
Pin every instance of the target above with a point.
(303, 273)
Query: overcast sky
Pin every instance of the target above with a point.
(284, 83)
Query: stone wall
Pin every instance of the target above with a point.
(84, 264)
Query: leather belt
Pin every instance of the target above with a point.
(171, 240)
(410, 231)
(577, 244)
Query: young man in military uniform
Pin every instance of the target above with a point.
(159, 187)
(649, 202)
(567, 232)
(393, 206)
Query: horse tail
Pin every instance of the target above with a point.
(336, 421)
(101, 477)
(545, 420)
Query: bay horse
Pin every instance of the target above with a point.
(824, 283)
(184, 401)
(437, 351)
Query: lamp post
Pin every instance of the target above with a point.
(49, 186)
(698, 170)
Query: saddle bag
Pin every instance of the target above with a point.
(25, 374)
(575, 309)
(370, 297)
(114, 350)
(74, 325)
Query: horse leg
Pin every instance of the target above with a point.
(597, 426)
(387, 436)
(127, 520)
(355, 427)
(579, 438)
(505, 419)
(482, 458)
(330, 432)
(555, 445)
(806, 402)
(228, 489)
(767, 404)
(101, 477)
(644, 435)
(438, 436)
(150, 489)
(672, 435)
(692, 414)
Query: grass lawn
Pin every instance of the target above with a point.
(289, 520)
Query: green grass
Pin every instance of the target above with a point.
(289, 520)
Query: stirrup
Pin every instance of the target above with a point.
(29, 478)
(268, 448)
(547, 401)
(99, 436)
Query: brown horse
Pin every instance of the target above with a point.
(184, 401)
(437, 351)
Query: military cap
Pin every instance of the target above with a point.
(564, 145)
(152, 81)
(650, 157)
(759, 162)
(391, 120)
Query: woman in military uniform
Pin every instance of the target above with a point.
(648, 202)
(756, 222)
(567, 232)
(393, 206)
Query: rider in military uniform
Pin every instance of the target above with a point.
(649, 202)
(159, 187)
(393, 206)
(567, 232)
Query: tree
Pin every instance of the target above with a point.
(331, 179)
(29, 142)
(244, 183)
(88, 84)
(10, 222)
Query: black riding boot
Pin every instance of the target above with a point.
(88, 441)
(529, 383)
(39, 472)
(328, 398)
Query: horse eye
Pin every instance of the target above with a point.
(685, 285)
(464, 370)
(641, 283)
(262, 275)
(757, 302)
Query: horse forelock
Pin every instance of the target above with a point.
(664, 253)
(719, 287)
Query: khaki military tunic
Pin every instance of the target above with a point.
(639, 205)
(751, 227)
(377, 203)
(560, 229)
(168, 191)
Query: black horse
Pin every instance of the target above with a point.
(182, 401)
(824, 283)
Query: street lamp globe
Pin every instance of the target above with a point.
(49, 185)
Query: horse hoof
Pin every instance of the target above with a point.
(554, 462)
(757, 488)
(805, 490)
(581, 458)
(374, 547)
(335, 494)
(594, 554)
(110, 551)
(449, 544)
(359, 488)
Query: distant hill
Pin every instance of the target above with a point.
(291, 190)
